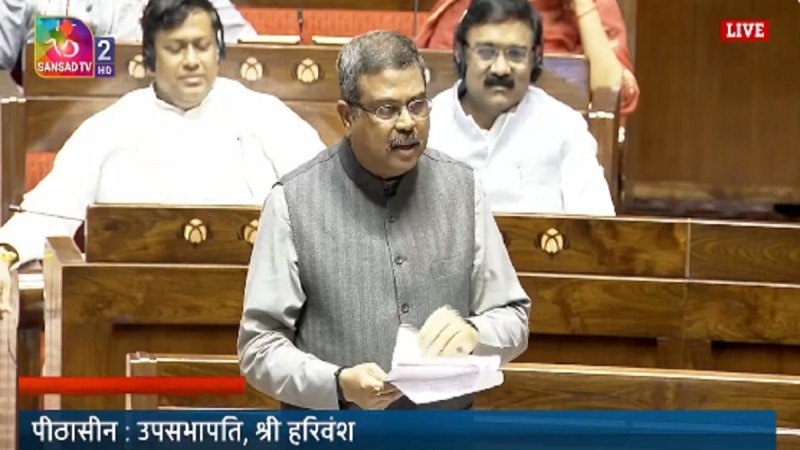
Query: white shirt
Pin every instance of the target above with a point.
(229, 150)
(538, 158)
(119, 19)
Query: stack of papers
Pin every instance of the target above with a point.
(427, 380)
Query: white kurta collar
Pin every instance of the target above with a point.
(468, 124)
(195, 112)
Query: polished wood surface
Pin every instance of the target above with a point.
(144, 283)
(603, 246)
(566, 387)
(154, 294)
(718, 127)
(156, 365)
(170, 234)
(745, 252)
(109, 310)
(12, 154)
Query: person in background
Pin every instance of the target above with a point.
(594, 28)
(534, 153)
(119, 19)
(377, 232)
(189, 138)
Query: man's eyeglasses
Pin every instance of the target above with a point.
(418, 109)
(489, 53)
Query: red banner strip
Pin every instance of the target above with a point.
(181, 386)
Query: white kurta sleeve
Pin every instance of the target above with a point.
(583, 183)
(289, 140)
(273, 301)
(500, 307)
(66, 191)
(13, 31)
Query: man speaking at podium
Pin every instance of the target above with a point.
(374, 233)
(190, 138)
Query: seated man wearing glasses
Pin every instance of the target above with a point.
(376, 233)
(534, 154)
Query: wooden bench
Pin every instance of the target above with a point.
(538, 387)
(649, 292)
(153, 278)
(621, 292)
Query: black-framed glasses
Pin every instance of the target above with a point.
(418, 109)
(516, 54)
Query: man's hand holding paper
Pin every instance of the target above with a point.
(427, 379)
(446, 333)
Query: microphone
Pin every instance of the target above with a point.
(300, 22)
(416, 18)
(17, 208)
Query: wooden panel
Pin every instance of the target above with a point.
(745, 252)
(12, 161)
(176, 365)
(756, 358)
(746, 150)
(593, 350)
(152, 294)
(615, 246)
(116, 309)
(743, 313)
(593, 306)
(557, 387)
(144, 234)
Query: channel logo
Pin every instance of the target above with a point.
(65, 47)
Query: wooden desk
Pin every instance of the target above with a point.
(535, 387)
(622, 292)
(648, 292)
(143, 286)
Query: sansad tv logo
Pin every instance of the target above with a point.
(65, 47)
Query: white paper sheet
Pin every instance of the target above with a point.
(427, 380)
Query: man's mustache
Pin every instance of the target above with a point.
(505, 81)
(404, 141)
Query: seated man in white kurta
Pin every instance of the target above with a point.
(190, 138)
(534, 153)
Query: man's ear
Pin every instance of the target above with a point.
(346, 114)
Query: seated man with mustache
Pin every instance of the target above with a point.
(534, 153)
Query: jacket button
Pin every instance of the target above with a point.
(398, 260)
(404, 308)
(392, 218)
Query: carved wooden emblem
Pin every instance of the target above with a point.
(307, 71)
(251, 69)
(552, 242)
(195, 232)
(249, 232)
(136, 67)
